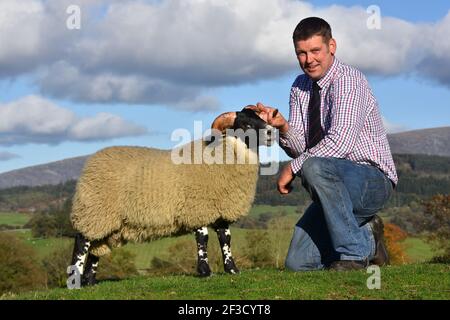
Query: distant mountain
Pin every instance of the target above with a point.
(435, 141)
(50, 173)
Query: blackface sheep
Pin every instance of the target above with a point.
(139, 194)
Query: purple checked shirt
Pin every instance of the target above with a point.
(350, 119)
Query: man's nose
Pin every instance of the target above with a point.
(309, 58)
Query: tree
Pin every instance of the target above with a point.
(438, 209)
(42, 225)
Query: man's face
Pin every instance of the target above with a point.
(315, 56)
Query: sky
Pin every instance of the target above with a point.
(80, 75)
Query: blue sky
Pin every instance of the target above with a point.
(141, 69)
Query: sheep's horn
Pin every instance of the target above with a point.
(224, 121)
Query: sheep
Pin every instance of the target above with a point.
(138, 194)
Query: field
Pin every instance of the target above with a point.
(13, 218)
(280, 234)
(413, 281)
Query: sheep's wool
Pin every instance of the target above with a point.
(138, 194)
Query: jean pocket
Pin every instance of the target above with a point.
(375, 194)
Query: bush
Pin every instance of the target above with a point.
(120, 264)
(19, 267)
(394, 235)
(179, 258)
(55, 265)
(259, 248)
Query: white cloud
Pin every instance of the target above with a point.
(33, 119)
(103, 126)
(5, 156)
(168, 52)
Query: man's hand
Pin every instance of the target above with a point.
(271, 116)
(285, 179)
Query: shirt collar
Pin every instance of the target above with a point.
(329, 75)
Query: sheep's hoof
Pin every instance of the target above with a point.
(88, 281)
(230, 267)
(203, 269)
(204, 274)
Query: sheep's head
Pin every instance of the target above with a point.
(243, 123)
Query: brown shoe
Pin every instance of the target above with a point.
(346, 265)
(381, 257)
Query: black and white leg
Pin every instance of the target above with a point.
(201, 236)
(90, 271)
(80, 254)
(224, 235)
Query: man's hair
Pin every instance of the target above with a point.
(310, 27)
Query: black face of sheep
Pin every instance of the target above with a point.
(247, 126)
(246, 120)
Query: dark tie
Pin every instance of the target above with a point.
(315, 130)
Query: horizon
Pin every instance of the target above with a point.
(282, 159)
(115, 76)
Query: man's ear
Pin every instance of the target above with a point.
(332, 46)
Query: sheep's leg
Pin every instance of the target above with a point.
(201, 236)
(224, 235)
(90, 271)
(79, 255)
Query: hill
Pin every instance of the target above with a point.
(47, 174)
(434, 141)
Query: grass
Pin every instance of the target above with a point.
(414, 281)
(257, 210)
(418, 250)
(14, 218)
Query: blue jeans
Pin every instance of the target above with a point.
(346, 195)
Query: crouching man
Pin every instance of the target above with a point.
(341, 153)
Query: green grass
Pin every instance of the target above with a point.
(414, 281)
(256, 210)
(42, 246)
(418, 250)
(145, 252)
(14, 218)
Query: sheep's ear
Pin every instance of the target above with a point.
(224, 121)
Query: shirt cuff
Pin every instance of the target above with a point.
(291, 142)
(297, 163)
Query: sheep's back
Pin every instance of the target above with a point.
(125, 188)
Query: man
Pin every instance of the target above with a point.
(337, 139)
